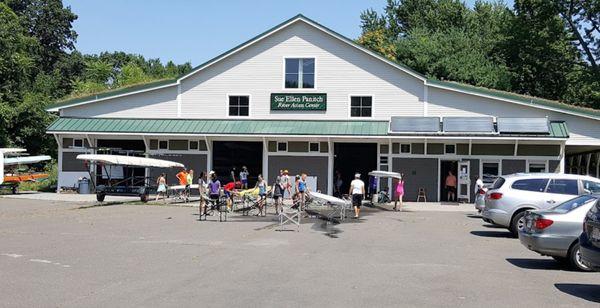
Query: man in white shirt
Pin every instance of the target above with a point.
(357, 190)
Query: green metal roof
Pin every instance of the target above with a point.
(220, 127)
(246, 127)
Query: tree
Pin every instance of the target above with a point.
(15, 68)
(582, 19)
(443, 39)
(539, 50)
(51, 24)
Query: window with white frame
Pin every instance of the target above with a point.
(78, 143)
(313, 147)
(405, 148)
(193, 145)
(361, 106)
(163, 145)
(281, 146)
(536, 167)
(239, 105)
(450, 149)
(300, 73)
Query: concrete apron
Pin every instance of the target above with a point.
(91, 198)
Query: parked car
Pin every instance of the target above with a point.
(590, 238)
(555, 232)
(510, 196)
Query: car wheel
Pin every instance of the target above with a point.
(517, 223)
(144, 198)
(575, 259)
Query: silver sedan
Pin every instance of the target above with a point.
(555, 232)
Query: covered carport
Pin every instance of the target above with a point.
(584, 160)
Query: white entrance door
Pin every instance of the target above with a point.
(464, 182)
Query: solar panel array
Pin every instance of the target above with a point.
(468, 124)
(414, 124)
(523, 125)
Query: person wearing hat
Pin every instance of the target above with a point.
(357, 190)
(286, 183)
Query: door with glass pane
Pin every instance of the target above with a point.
(464, 182)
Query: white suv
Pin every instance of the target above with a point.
(510, 196)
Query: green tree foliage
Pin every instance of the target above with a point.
(541, 48)
(39, 64)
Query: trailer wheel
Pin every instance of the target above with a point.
(144, 198)
(100, 197)
(14, 190)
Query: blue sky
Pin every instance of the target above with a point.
(195, 31)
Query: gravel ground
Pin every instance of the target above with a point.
(55, 253)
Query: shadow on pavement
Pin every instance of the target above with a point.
(473, 216)
(494, 226)
(536, 264)
(496, 234)
(588, 292)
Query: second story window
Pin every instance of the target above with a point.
(300, 73)
(239, 106)
(360, 106)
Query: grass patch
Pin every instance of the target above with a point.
(45, 185)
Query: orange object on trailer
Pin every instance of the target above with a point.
(25, 177)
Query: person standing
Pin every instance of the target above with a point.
(162, 187)
(202, 189)
(357, 191)
(214, 187)
(232, 173)
(244, 177)
(302, 189)
(278, 194)
(189, 180)
(451, 187)
(182, 177)
(287, 183)
(399, 193)
(338, 184)
(262, 194)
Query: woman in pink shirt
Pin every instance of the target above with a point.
(399, 193)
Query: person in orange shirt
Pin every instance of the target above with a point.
(182, 177)
(451, 186)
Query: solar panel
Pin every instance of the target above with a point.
(414, 124)
(523, 125)
(468, 124)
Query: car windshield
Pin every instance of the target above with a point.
(574, 203)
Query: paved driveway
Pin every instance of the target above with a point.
(58, 254)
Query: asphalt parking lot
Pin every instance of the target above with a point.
(64, 254)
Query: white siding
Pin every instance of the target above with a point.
(160, 103)
(443, 102)
(341, 70)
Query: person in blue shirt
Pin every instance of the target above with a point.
(302, 190)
